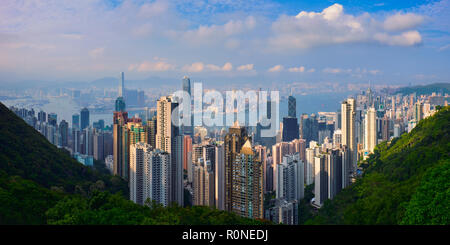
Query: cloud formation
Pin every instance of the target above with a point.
(333, 26)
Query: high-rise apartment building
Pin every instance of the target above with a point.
(247, 183)
(233, 143)
(370, 132)
(321, 180)
(149, 174)
(290, 175)
(169, 140)
(219, 176)
(348, 111)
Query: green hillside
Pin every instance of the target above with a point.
(41, 184)
(425, 89)
(405, 181)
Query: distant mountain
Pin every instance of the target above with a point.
(41, 184)
(426, 89)
(405, 181)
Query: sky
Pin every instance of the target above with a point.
(348, 41)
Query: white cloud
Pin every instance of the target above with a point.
(227, 67)
(207, 34)
(333, 26)
(156, 8)
(401, 22)
(194, 67)
(407, 38)
(97, 52)
(247, 67)
(336, 70)
(297, 69)
(146, 66)
(358, 72)
(276, 68)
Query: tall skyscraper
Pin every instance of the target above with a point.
(169, 140)
(348, 110)
(203, 183)
(84, 118)
(290, 129)
(385, 128)
(121, 85)
(418, 111)
(370, 133)
(292, 106)
(290, 185)
(99, 153)
(64, 132)
(149, 174)
(120, 141)
(76, 121)
(186, 84)
(165, 130)
(219, 175)
(321, 180)
(52, 119)
(233, 143)
(151, 131)
(120, 105)
(247, 183)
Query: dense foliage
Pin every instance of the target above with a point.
(104, 208)
(41, 184)
(404, 181)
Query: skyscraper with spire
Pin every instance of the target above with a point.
(121, 84)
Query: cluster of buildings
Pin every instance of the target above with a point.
(85, 142)
(236, 169)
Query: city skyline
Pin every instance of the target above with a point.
(291, 41)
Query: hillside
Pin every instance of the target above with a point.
(425, 89)
(41, 184)
(405, 181)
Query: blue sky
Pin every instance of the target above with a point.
(385, 42)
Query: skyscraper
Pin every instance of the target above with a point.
(186, 84)
(348, 110)
(149, 174)
(290, 185)
(64, 132)
(76, 121)
(52, 119)
(321, 180)
(247, 183)
(370, 133)
(121, 85)
(233, 143)
(165, 130)
(219, 175)
(120, 105)
(292, 106)
(120, 141)
(169, 140)
(84, 118)
(290, 129)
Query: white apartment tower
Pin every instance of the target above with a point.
(370, 131)
(348, 113)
